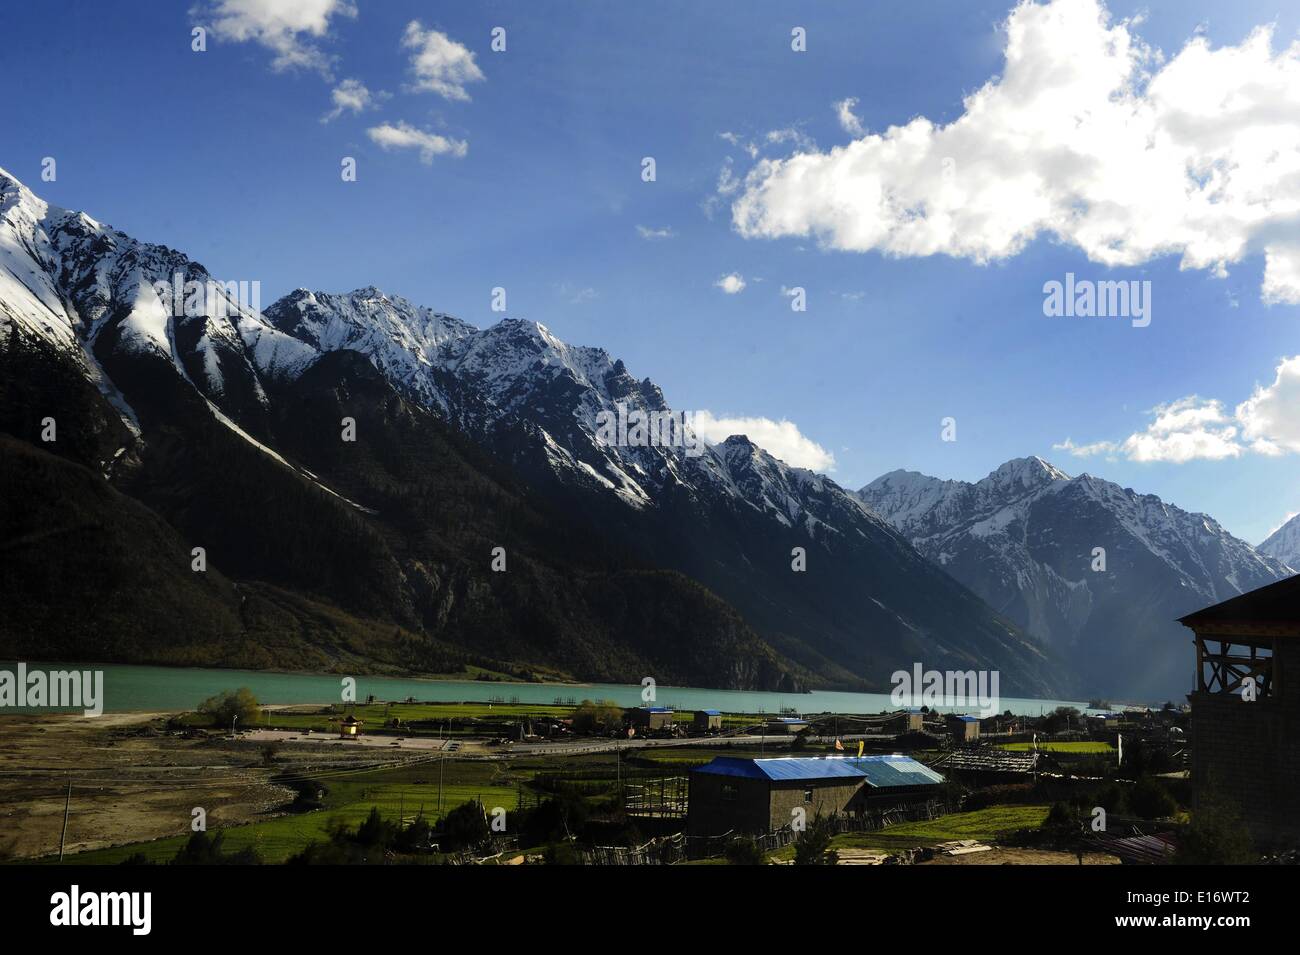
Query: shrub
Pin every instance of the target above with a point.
(1216, 835)
(813, 846)
(229, 704)
(744, 852)
(1150, 800)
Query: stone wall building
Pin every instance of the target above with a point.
(1245, 726)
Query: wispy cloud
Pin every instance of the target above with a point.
(654, 235)
(849, 122)
(575, 294)
(404, 136)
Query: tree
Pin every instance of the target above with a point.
(602, 717)
(464, 827)
(1216, 834)
(1062, 821)
(374, 832)
(202, 849)
(229, 704)
(1150, 800)
(813, 847)
(1062, 718)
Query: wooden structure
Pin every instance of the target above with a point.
(1245, 726)
(350, 727)
(662, 798)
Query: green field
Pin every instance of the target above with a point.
(985, 825)
(1074, 746)
(413, 788)
(350, 796)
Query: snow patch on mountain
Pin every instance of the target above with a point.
(1284, 543)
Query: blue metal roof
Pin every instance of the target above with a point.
(967, 719)
(657, 709)
(878, 771)
(883, 772)
(789, 719)
(711, 712)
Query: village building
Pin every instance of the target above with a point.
(1245, 722)
(350, 726)
(650, 719)
(1107, 721)
(964, 729)
(708, 721)
(786, 725)
(762, 795)
(910, 720)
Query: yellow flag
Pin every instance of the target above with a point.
(861, 743)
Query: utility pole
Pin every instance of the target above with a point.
(67, 804)
(441, 761)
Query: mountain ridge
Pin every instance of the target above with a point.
(1026, 538)
(727, 520)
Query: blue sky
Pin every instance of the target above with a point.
(224, 155)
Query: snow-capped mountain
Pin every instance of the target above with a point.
(1284, 543)
(1031, 541)
(224, 419)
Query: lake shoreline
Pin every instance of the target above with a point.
(147, 688)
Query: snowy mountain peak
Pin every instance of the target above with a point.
(1032, 471)
(1027, 539)
(1284, 543)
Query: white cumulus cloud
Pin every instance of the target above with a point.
(1270, 418)
(732, 283)
(289, 28)
(781, 439)
(1200, 429)
(352, 96)
(438, 63)
(402, 135)
(1087, 136)
(1189, 429)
